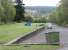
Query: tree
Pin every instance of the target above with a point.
(8, 11)
(19, 11)
(60, 15)
(64, 8)
(1, 12)
(52, 17)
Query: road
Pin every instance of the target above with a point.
(63, 37)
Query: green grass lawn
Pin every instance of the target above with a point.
(30, 47)
(10, 31)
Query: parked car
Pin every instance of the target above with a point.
(49, 25)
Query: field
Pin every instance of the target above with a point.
(30, 47)
(10, 31)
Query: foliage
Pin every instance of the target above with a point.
(60, 15)
(19, 11)
(7, 11)
(64, 7)
(28, 18)
(39, 20)
(36, 19)
(53, 37)
(10, 31)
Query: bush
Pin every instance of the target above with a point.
(52, 37)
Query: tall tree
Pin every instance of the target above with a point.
(60, 15)
(64, 8)
(9, 10)
(19, 10)
(1, 12)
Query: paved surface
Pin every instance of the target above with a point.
(63, 37)
(65, 48)
(37, 37)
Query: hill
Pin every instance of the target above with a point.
(40, 10)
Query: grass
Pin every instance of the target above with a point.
(10, 31)
(30, 47)
(53, 37)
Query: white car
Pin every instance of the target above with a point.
(49, 25)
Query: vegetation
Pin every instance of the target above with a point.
(53, 37)
(7, 11)
(60, 15)
(39, 19)
(19, 11)
(30, 47)
(29, 16)
(10, 31)
(40, 10)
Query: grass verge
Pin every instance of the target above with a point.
(10, 31)
(30, 47)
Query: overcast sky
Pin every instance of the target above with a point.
(41, 2)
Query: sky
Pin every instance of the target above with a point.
(41, 2)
